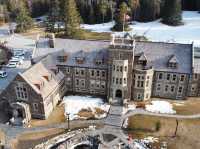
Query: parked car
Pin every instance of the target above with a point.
(3, 74)
(11, 65)
(19, 53)
(16, 60)
(18, 57)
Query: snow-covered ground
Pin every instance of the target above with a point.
(160, 107)
(156, 31)
(74, 104)
(130, 107)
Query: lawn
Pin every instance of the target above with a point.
(187, 137)
(56, 117)
(188, 107)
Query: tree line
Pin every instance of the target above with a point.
(74, 12)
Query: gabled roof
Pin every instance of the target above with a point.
(35, 76)
(142, 57)
(173, 59)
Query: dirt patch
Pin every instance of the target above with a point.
(56, 117)
(187, 136)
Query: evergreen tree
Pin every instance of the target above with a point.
(23, 20)
(103, 7)
(54, 14)
(120, 19)
(172, 14)
(134, 5)
(72, 19)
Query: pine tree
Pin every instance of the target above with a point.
(54, 14)
(72, 19)
(120, 19)
(172, 14)
(134, 5)
(103, 7)
(23, 20)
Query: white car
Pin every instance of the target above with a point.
(19, 53)
(11, 65)
(18, 57)
(3, 74)
(16, 60)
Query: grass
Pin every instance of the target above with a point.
(56, 117)
(87, 35)
(187, 135)
(29, 140)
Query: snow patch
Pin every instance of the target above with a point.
(130, 107)
(157, 31)
(163, 107)
(74, 104)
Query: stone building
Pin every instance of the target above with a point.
(117, 70)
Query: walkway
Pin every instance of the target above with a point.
(112, 124)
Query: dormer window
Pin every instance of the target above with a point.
(80, 60)
(142, 60)
(62, 59)
(99, 62)
(173, 62)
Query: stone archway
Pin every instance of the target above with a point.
(21, 113)
(118, 93)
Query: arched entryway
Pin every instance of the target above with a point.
(118, 93)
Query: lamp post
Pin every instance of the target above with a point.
(68, 121)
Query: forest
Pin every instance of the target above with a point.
(75, 12)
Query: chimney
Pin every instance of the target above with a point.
(52, 40)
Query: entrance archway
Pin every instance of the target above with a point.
(118, 94)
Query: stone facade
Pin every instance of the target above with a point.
(124, 70)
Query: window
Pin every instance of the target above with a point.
(77, 72)
(174, 77)
(180, 90)
(113, 67)
(160, 76)
(92, 73)
(168, 76)
(82, 72)
(113, 79)
(117, 68)
(92, 83)
(172, 88)
(68, 70)
(82, 83)
(103, 74)
(98, 73)
(182, 78)
(121, 68)
(77, 81)
(98, 84)
(158, 87)
(103, 84)
(125, 68)
(139, 96)
(140, 83)
(117, 80)
(166, 88)
(35, 106)
(124, 80)
(120, 81)
(195, 76)
(21, 92)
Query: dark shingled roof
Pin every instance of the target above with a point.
(157, 53)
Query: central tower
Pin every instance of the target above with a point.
(120, 68)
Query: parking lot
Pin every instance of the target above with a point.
(16, 43)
